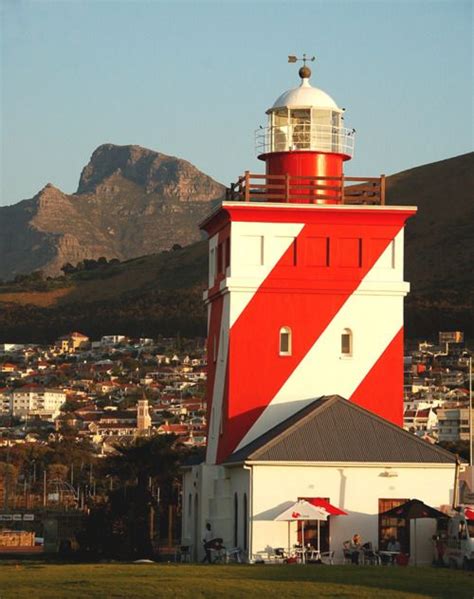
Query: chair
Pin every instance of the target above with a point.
(218, 551)
(371, 557)
(347, 553)
(233, 555)
(183, 554)
(327, 557)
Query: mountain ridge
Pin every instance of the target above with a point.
(162, 292)
(130, 201)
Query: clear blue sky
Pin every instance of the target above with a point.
(193, 79)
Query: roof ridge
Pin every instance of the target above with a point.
(281, 431)
(400, 429)
(310, 408)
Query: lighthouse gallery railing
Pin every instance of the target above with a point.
(305, 136)
(289, 188)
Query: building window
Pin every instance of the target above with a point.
(346, 343)
(236, 520)
(220, 259)
(190, 509)
(245, 522)
(285, 341)
(393, 527)
(222, 344)
(227, 252)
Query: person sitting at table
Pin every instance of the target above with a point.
(355, 547)
(394, 545)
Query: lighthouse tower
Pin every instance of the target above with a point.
(305, 291)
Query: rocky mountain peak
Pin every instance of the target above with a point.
(48, 195)
(157, 173)
(131, 201)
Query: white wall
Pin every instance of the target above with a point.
(352, 488)
(215, 487)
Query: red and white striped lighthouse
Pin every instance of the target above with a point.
(306, 288)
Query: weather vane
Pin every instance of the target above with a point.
(305, 59)
(304, 72)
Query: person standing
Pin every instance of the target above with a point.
(207, 541)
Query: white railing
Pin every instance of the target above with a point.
(305, 136)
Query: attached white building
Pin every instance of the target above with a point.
(332, 450)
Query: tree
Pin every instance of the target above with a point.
(68, 268)
(140, 466)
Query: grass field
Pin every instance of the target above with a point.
(84, 581)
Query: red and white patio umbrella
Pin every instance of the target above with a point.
(300, 511)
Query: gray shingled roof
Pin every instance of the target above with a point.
(332, 429)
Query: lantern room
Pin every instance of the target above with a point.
(305, 135)
(304, 146)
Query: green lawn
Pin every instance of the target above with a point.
(86, 581)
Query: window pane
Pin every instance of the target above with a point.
(301, 128)
(284, 342)
(346, 343)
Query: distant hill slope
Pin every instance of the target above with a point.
(440, 238)
(162, 293)
(130, 202)
(146, 296)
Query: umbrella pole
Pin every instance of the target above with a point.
(303, 557)
(415, 541)
(288, 538)
(319, 535)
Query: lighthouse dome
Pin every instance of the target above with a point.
(305, 96)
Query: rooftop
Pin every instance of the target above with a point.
(332, 429)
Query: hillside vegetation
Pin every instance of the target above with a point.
(162, 293)
(147, 296)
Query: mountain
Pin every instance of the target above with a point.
(130, 202)
(162, 293)
(439, 247)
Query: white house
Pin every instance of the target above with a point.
(332, 450)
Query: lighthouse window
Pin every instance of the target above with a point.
(211, 266)
(285, 341)
(346, 342)
(300, 121)
(220, 260)
(227, 252)
(279, 121)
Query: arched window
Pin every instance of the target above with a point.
(245, 522)
(346, 343)
(285, 341)
(236, 520)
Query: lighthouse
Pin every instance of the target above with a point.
(305, 350)
(305, 291)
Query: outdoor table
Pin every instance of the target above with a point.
(391, 554)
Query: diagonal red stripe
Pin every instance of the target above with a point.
(381, 391)
(305, 298)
